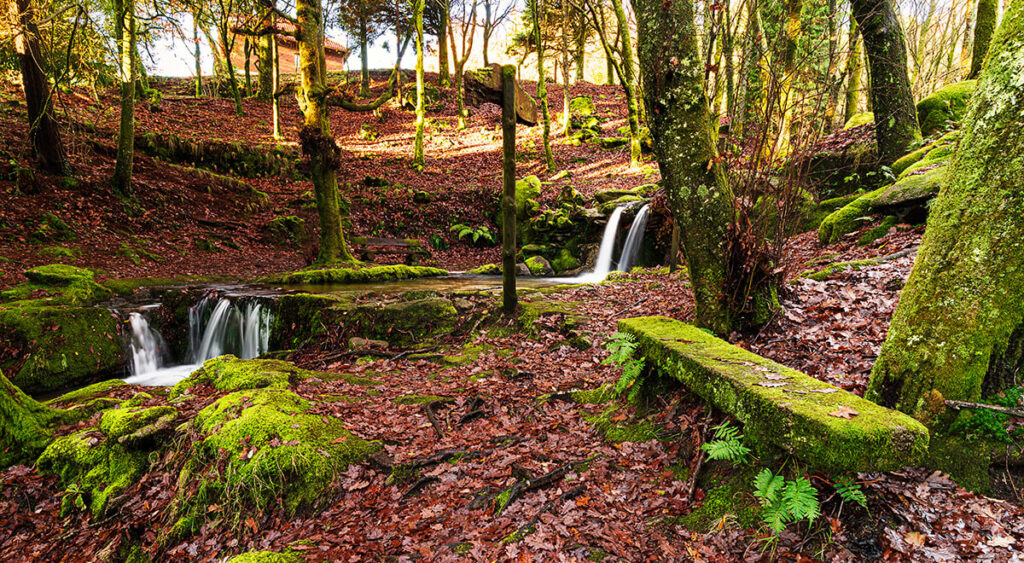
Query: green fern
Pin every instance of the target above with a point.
(784, 501)
(623, 347)
(477, 234)
(850, 491)
(727, 445)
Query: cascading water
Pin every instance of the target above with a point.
(603, 265)
(240, 327)
(631, 250)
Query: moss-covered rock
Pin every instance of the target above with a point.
(55, 347)
(948, 104)
(288, 230)
(277, 453)
(564, 261)
(62, 284)
(911, 189)
(538, 266)
(26, 426)
(127, 422)
(266, 557)
(373, 274)
(405, 322)
(528, 189)
(52, 228)
(228, 373)
(859, 119)
(821, 425)
(846, 219)
(486, 270)
(582, 106)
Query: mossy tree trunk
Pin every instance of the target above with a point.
(417, 148)
(443, 73)
(891, 97)
(565, 69)
(197, 54)
(275, 81)
(318, 143)
(854, 66)
(460, 55)
(629, 83)
(542, 88)
(229, 68)
(265, 70)
(684, 142)
(364, 55)
(44, 132)
(247, 48)
(124, 31)
(959, 327)
(984, 27)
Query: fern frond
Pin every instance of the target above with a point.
(800, 498)
(767, 486)
(850, 491)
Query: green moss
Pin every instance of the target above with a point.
(949, 104)
(791, 413)
(537, 265)
(528, 189)
(838, 267)
(728, 496)
(52, 228)
(277, 455)
(564, 262)
(70, 284)
(88, 392)
(486, 270)
(405, 322)
(374, 274)
(25, 425)
(845, 219)
(623, 431)
(912, 189)
(92, 469)
(58, 347)
(125, 421)
(878, 231)
(266, 557)
(289, 229)
(60, 252)
(859, 119)
(582, 106)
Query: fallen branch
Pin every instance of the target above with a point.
(429, 409)
(526, 484)
(969, 405)
(418, 485)
(692, 487)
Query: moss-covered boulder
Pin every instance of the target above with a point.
(913, 189)
(564, 261)
(373, 274)
(486, 270)
(528, 189)
(228, 373)
(258, 449)
(539, 266)
(286, 230)
(582, 106)
(60, 283)
(405, 322)
(54, 347)
(945, 106)
(846, 219)
(859, 119)
(26, 426)
(823, 426)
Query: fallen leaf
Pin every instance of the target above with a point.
(915, 538)
(844, 411)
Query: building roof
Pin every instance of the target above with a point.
(288, 29)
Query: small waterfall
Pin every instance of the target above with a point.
(146, 347)
(218, 325)
(603, 265)
(631, 250)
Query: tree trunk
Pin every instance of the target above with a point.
(854, 66)
(629, 83)
(275, 82)
(984, 27)
(727, 54)
(417, 150)
(364, 58)
(443, 74)
(891, 97)
(959, 327)
(487, 30)
(581, 50)
(44, 132)
(684, 142)
(542, 88)
(198, 55)
(565, 69)
(229, 67)
(265, 67)
(124, 31)
(787, 100)
(247, 49)
(318, 144)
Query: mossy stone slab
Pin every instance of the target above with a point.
(779, 407)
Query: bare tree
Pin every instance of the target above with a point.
(461, 22)
(496, 13)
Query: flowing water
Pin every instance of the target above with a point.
(603, 265)
(217, 325)
(631, 250)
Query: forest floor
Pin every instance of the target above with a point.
(629, 501)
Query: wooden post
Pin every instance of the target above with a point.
(508, 199)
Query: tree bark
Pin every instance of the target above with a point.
(565, 69)
(247, 49)
(364, 58)
(684, 142)
(265, 67)
(43, 132)
(891, 97)
(124, 31)
(197, 54)
(275, 81)
(542, 88)
(984, 27)
(230, 68)
(959, 328)
(508, 200)
(417, 150)
(443, 73)
(629, 83)
(854, 67)
(318, 144)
